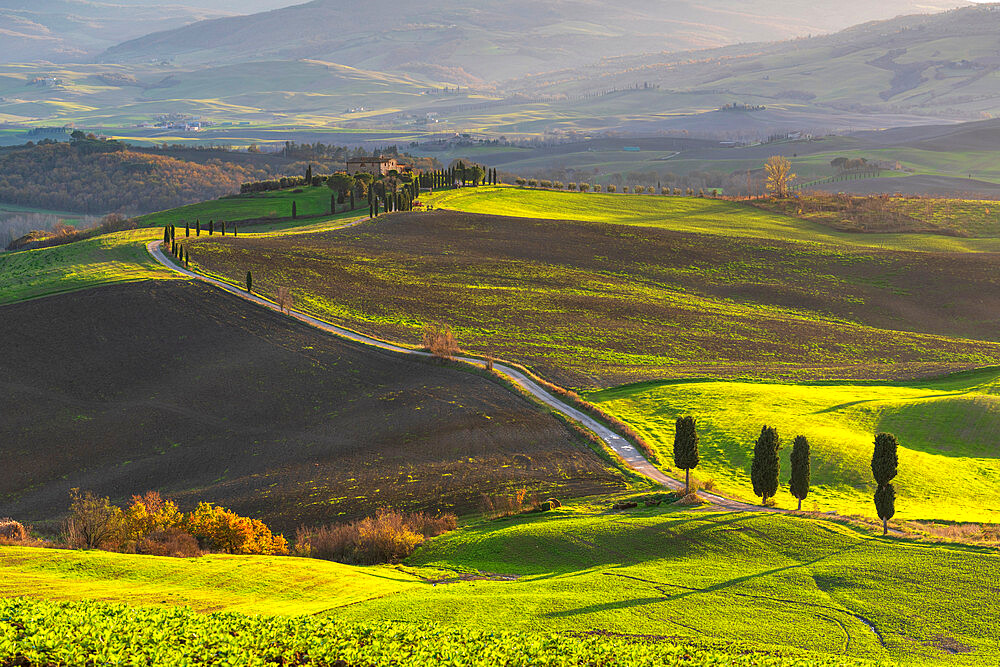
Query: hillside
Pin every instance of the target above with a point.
(74, 30)
(946, 428)
(631, 587)
(935, 64)
(493, 40)
(177, 387)
(594, 305)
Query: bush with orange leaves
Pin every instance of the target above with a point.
(149, 513)
(223, 530)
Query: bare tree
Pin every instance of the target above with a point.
(283, 296)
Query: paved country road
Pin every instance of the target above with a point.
(623, 447)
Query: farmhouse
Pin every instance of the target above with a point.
(378, 166)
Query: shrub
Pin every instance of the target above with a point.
(584, 187)
(169, 542)
(520, 181)
(148, 513)
(500, 505)
(546, 184)
(625, 189)
(558, 185)
(440, 341)
(554, 503)
(664, 191)
(597, 187)
(385, 538)
(94, 523)
(532, 183)
(223, 530)
(612, 189)
(571, 186)
(13, 530)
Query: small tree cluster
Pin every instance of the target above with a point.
(223, 530)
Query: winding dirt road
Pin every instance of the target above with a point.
(620, 445)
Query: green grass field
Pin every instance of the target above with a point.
(113, 258)
(949, 464)
(689, 214)
(122, 257)
(310, 202)
(766, 583)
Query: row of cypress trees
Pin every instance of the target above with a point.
(766, 466)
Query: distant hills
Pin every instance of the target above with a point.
(942, 64)
(465, 43)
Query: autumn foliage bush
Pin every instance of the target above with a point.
(387, 537)
(440, 341)
(223, 530)
(152, 525)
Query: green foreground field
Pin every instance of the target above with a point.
(764, 583)
(949, 464)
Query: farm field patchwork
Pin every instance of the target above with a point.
(949, 461)
(177, 387)
(746, 584)
(596, 305)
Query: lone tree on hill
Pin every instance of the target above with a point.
(885, 504)
(885, 465)
(799, 484)
(249, 282)
(686, 449)
(779, 175)
(295, 211)
(766, 465)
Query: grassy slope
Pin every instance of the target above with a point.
(122, 257)
(114, 258)
(947, 431)
(259, 585)
(762, 579)
(686, 214)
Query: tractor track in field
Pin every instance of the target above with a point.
(622, 447)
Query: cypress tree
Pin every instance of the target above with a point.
(249, 283)
(885, 504)
(371, 211)
(166, 234)
(295, 211)
(352, 200)
(799, 484)
(187, 258)
(173, 233)
(766, 465)
(686, 449)
(234, 230)
(333, 204)
(309, 175)
(885, 465)
(223, 227)
(197, 227)
(211, 227)
(187, 229)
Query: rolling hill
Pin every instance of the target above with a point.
(493, 40)
(177, 387)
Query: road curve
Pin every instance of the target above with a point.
(620, 445)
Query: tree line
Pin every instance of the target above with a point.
(766, 465)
